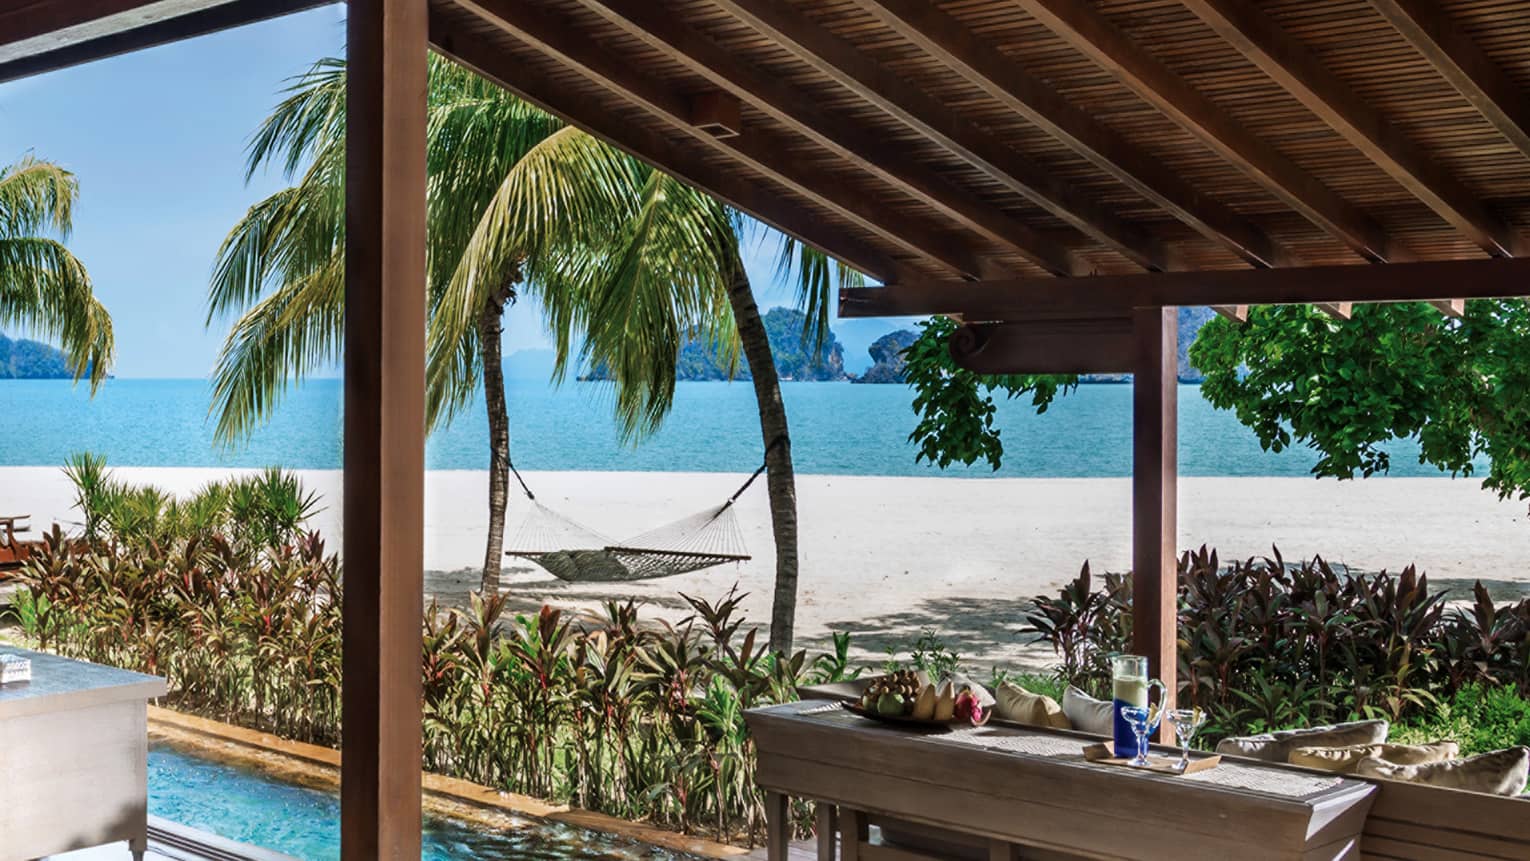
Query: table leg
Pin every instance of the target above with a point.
(998, 850)
(853, 830)
(778, 826)
(825, 827)
(138, 846)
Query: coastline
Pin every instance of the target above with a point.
(887, 556)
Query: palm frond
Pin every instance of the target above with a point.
(45, 290)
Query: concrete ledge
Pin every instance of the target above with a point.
(318, 767)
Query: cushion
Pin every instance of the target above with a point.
(1502, 772)
(1342, 760)
(1277, 746)
(1088, 714)
(1021, 706)
(958, 681)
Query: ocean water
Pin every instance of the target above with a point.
(837, 429)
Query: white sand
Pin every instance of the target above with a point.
(887, 556)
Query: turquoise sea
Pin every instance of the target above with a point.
(838, 429)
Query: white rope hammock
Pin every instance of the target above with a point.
(571, 551)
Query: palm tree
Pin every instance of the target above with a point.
(627, 263)
(43, 287)
(518, 204)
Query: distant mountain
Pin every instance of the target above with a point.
(795, 358)
(31, 360)
(887, 357)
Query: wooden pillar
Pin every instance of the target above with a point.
(384, 429)
(1155, 470)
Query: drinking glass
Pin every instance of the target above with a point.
(1187, 722)
(1140, 720)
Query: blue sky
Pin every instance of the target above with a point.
(157, 141)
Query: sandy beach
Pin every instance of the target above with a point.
(884, 557)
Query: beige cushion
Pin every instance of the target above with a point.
(1021, 706)
(1277, 746)
(1502, 772)
(1086, 713)
(1342, 760)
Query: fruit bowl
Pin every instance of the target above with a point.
(906, 698)
(930, 725)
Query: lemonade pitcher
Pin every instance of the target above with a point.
(1129, 684)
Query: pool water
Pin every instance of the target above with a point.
(244, 805)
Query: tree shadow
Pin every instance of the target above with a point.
(983, 632)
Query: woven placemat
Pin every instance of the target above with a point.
(1013, 740)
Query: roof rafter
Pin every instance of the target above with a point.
(489, 61)
(1302, 73)
(1106, 295)
(1089, 32)
(1457, 57)
(870, 80)
(791, 106)
(765, 154)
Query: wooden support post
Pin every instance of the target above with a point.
(825, 826)
(384, 429)
(778, 826)
(854, 830)
(1155, 470)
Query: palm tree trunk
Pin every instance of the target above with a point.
(489, 328)
(779, 478)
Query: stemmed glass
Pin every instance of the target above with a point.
(1139, 718)
(1187, 722)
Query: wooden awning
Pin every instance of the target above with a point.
(1004, 140)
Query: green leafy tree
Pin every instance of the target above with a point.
(627, 264)
(1348, 389)
(956, 407)
(43, 287)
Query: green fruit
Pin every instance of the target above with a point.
(890, 704)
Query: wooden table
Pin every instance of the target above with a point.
(73, 758)
(1016, 792)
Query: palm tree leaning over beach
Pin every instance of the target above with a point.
(626, 262)
(44, 289)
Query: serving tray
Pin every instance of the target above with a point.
(1103, 754)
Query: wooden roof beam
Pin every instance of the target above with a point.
(1457, 57)
(762, 202)
(1110, 295)
(791, 106)
(768, 155)
(1301, 73)
(1092, 34)
(114, 42)
(843, 62)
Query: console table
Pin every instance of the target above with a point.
(1008, 792)
(73, 758)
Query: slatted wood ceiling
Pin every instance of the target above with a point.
(1349, 37)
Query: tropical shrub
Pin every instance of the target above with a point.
(1266, 644)
(229, 597)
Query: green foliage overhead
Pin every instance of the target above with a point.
(956, 406)
(625, 262)
(44, 289)
(1459, 387)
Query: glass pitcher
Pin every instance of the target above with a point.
(1129, 684)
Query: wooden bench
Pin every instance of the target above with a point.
(1425, 823)
(13, 551)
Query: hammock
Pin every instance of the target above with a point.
(576, 553)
